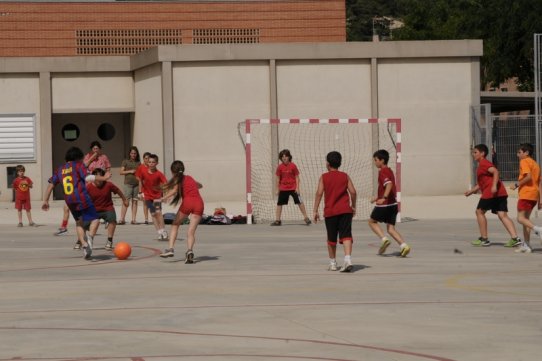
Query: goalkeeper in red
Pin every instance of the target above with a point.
(386, 208)
(288, 185)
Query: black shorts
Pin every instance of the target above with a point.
(386, 215)
(285, 195)
(497, 204)
(341, 226)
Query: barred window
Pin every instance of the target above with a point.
(124, 41)
(226, 36)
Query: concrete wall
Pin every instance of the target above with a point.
(188, 100)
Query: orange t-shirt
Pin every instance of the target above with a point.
(530, 190)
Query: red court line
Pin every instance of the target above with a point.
(217, 335)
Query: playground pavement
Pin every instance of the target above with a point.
(264, 293)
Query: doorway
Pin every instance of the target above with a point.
(112, 130)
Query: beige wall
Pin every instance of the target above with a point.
(19, 94)
(211, 99)
(432, 97)
(92, 92)
(148, 111)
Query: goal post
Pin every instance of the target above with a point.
(309, 141)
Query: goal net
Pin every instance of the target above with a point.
(309, 141)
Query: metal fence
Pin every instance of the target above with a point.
(503, 134)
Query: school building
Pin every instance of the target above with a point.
(186, 101)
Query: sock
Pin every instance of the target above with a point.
(161, 231)
(403, 245)
(64, 224)
(347, 258)
(332, 261)
(384, 239)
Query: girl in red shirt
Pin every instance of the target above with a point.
(184, 187)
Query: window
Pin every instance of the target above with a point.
(17, 137)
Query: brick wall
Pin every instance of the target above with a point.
(118, 28)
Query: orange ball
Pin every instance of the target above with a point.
(122, 250)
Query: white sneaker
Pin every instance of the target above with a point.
(524, 248)
(346, 267)
(332, 266)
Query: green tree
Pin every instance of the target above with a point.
(360, 14)
(505, 26)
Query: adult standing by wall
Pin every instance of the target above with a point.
(96, 158)
(128, 169)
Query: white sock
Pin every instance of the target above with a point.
(347, 259)
(332, 261)
(161, 231)
(403, 245)
(384, 239)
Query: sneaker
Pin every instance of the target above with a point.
(405, 250)
(524, 248)
(481, 242)
(384, 246)
(513, 242)
(19, 225)
(109, 245)
(61, 231)
(189, 257)
(168, 252)
(163, 237)
(332, 266)
(77, 245)
(87, 251)
(308, 222)
(146, 222)
(346, 267)
(276, 223)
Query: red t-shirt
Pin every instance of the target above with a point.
(142, 168)
(151, 184)
(287, 174)
(190, 188)
(22, 188)
(101, 196)
(336, 197)
(385, 176)
(485, 180)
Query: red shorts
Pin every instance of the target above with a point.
(526, 205)
(192, 206)
(21, 204)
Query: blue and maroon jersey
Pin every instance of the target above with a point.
(72, 177)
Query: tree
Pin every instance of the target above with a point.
(505, 26)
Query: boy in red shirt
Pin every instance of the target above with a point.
(494, 197)
(386, 208)
(100, 192)
(22, 185)
(150, 186)
(339, 209)
(288, 185)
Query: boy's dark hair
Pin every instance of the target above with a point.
(382, 154)
(74, 154)
(527, 147)
(19, 168)
(482, 148)
(147, 154)
(94, 144)
(334, 159)
(98, 171)
(285, 152)
(153, 156)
